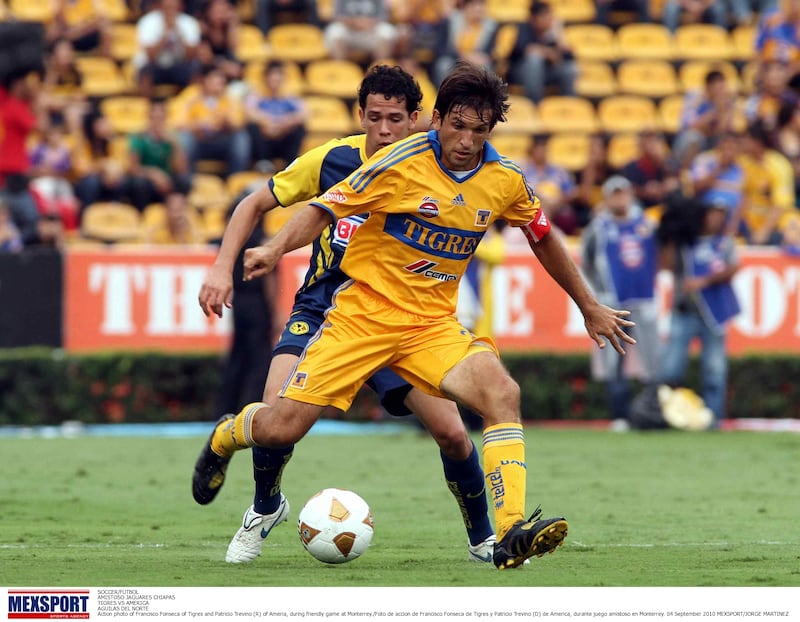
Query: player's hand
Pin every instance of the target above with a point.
(602, 321)
(216, 291)
(260, 260)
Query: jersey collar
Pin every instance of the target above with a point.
(490, 154)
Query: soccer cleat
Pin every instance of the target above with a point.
(482, 552)
(533, 537)
(248, 540)
(209, 470)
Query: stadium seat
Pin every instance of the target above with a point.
(582, 11)
(514, 145)
(749, 76)
(622, 148)
(126, 114)
(595, 79)
(115, 10)
(213, 222)
(251, 45)
(207, 190)
(154, 215)
(327, 114)
(649, 77)
(504, 43)
(645, 41)
(521, 116)
(569, 150)
(123, 41)
(335, 78)
(31, 10)
(670, 110)
(111, 222)
(559, 113)
(244, 180)
(592, 41)
(100, 76)
(744, 43)
(693, 73)
(627, 113)
(703, 42)
(508, 11)
(301, 43)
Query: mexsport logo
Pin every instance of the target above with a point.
(48, 605)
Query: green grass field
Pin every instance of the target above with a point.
(653, 509)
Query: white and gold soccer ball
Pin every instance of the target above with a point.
(335, 526)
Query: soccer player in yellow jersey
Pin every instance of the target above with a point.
(389, 100)
(430, 198)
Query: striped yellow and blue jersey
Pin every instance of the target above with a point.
(425, 221)
(305, 178)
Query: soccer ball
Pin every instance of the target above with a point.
(335, 526)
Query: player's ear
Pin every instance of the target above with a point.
(412, 119)
(436, 120)
(361, 117)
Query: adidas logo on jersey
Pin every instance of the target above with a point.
(458, 200)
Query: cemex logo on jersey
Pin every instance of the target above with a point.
(48, 604)
(429, 207)
(426, 269)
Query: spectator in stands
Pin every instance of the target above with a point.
(275, 121)
(21, 114)
(538, 171)
(591, 177)
(718, 179)
(219, 38)
(677, 12)
(468, 33)
(213, 125)
(787, 140)
(773, 92)
(778, 36)
(705, 115)
(541, 55)
(768, 188)
(51, 168)
(361, 31)
(180, 225)
(271, 12)
(654, 173)
(62, 92)
(168, 40)
(85, 23)
(604, 9)
(619, 257)
(10, 237)
(157, 162)
(421, 24)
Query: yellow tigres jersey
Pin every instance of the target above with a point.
(425, 223)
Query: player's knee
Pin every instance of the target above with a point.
(274, 431)
(454, 442)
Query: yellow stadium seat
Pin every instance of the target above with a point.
(569, 150)
(207, 189)
(251, 45)
(126, 114)
(504, 42)
(582, 11)
(647, 41)
(670, 110)
(327, 114)
(213, 223)
(521, 116)
(627, 113)
(100, 76)
(744, 42)
(595, 79)
(244, 180)
(567, 114)
(154, 215)
(749, 76)
(31, 10)
(693, 73)
(336, 78)
(649, 77)
(504, 11)
(115, 10)
(111, 222)
(301, 43)
(123, 41)
(622, 148)
(592, 41)
(514, 145)
(703, 42)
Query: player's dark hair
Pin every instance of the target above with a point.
(391, 82)
(473, 86)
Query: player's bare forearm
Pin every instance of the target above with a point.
(600, 320)
(301, 230)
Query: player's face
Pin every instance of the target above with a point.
(385, 121)
(462, 133)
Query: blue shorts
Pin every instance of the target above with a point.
(303, 325)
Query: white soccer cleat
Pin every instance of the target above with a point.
(248, 540)
(483, 551)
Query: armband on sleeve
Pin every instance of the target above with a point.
(537, 228)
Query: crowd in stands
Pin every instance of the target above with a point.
(164, 110)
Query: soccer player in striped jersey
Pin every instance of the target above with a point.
(389, 100)
(430, 198)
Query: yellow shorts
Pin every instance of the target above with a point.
(363, 333)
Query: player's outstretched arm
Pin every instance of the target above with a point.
(302, 229)
(217, 288)
(600, 320)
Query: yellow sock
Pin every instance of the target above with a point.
(235, 434)
(505, 471)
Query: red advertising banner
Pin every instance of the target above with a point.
(138, 298)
